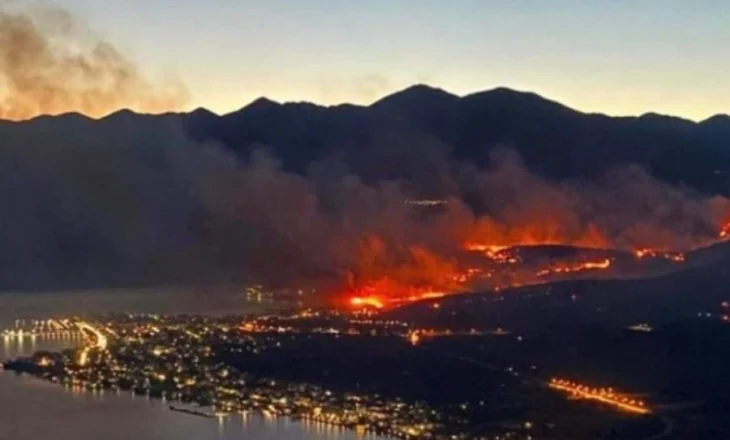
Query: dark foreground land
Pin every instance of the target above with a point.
(679, 369)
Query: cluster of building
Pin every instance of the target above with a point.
(175, 358)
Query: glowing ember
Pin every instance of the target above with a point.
(414, 337)
(641, 254)
(426, 295)
(579, 267)
(469, 274)
(498, 254)
(384, 301)
(487, 249)
(386, 274)
(369, 301)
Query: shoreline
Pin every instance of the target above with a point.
(130, 416)
(263, 414)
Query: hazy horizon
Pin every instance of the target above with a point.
(190, 109)
(665, 60)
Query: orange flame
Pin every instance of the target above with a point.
(368, 301)
(490, 235)
(499, 254)
(641, 254)
(725, 231)
(387, 274)
(372, 296)
(580, 267)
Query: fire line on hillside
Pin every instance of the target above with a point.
(505, 266)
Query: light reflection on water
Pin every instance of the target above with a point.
(31, 409)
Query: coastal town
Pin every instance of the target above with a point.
(177, 358)
(363, 369)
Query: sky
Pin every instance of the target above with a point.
(620, 57)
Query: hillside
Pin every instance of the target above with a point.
(700, 288)
(180, 198)
(420, 125)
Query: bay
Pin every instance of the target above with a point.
(31, 409)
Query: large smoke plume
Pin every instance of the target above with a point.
(51, 63)
(626, 208)
(117, 202)
(117, 206)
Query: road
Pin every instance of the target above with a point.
(100, 342)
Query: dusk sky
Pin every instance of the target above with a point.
(618, 57)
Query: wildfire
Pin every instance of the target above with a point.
(579, 267)
(378, 302)
(487, 249)
(387, 275)
(422, 296)
(538, 230)
(725, 231)
(498, 254)
(368, 301)
(605, 395)
(641, 254)
(469, 274)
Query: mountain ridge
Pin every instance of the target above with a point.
(185, 197)
(554, 140)
(724, 117)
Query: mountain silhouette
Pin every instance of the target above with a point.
(381, 140)
(553, 139)
(140, 199)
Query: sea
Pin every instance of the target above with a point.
(32, 409)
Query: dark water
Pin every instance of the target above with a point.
(33, 409)
(66, 304)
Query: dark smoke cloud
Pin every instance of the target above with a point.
(626, 208)
(52, 63)
(105, 205)
(129, 201)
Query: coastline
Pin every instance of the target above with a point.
(311, 426)
(216, 414)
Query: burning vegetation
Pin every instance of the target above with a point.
(725, 231)
(633, 226)
(579, 267)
